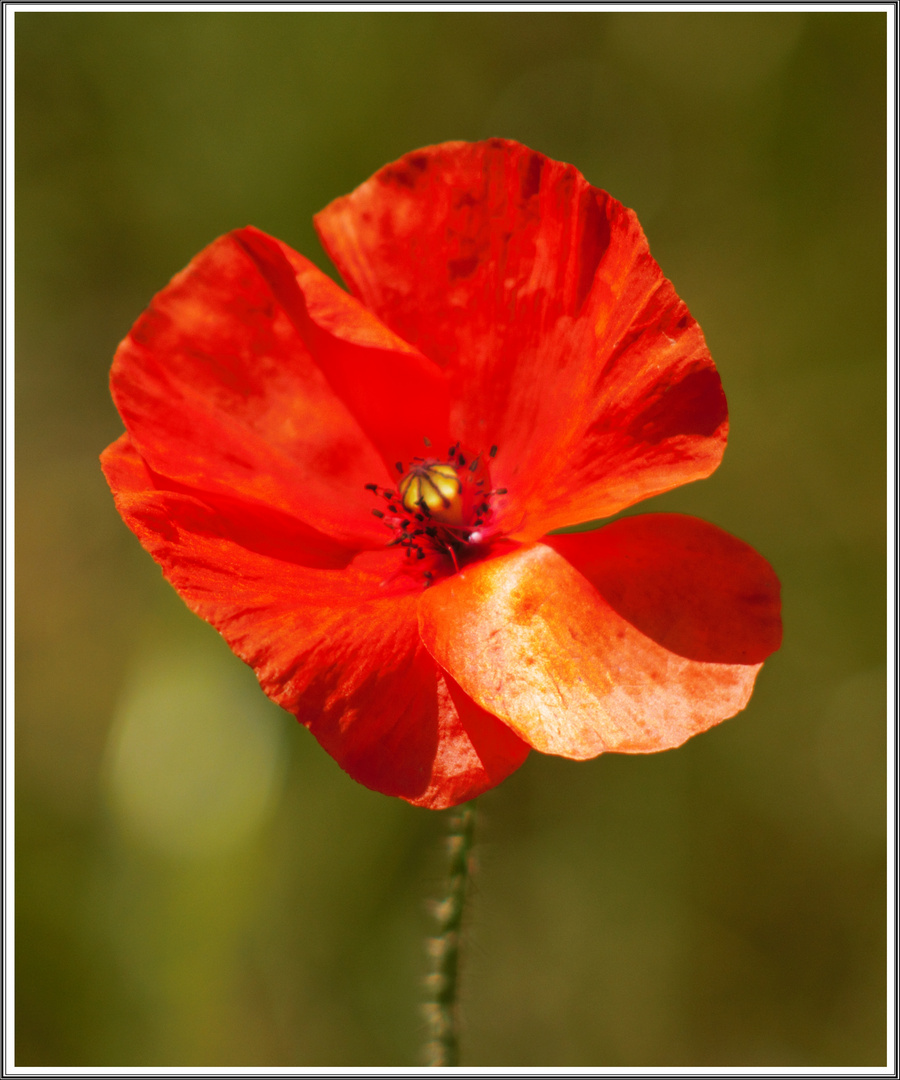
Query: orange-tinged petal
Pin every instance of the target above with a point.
(333, 641)
(397, 395)
(220, 394)
(565, 345)
(536, 642)
(688, 585)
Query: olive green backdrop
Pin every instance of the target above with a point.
(198, 883)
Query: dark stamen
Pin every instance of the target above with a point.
(399, 467)
(426, 440)
(473, 465)
(378, 513)
(372, 487)
(493, 451)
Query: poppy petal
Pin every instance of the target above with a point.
(255, 527)
(377, 702)
(335, 643)
(688, 585)
(220, 394)
(566, 346)
(580, 658)
(395, 393)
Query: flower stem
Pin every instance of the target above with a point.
(441, 1007)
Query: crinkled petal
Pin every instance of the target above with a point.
(397, 395)
(336, 643)
(254, 526)
(220, 394)
(582, 649)
(686, 584)
(377, 702)
(565, 345)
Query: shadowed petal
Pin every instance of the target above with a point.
(220, 394)
(377, 702)
(333, 641)
(396, 394)
(532, 640)
(565, 345)
(253, 526)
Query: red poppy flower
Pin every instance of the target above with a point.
(357, 490)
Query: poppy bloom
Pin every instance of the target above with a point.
(359, 490)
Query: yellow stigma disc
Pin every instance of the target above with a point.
(435, 490)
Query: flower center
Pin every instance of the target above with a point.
(434, 489)
(442, 511)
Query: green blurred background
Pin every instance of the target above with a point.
(198, 883)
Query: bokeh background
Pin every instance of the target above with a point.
(198, 883)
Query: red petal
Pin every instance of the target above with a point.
(539, 643)
(396, 394)
(688, 585)
(566, 346)
(220, 394)
(255, 527)
(382, 708)
(331, 644)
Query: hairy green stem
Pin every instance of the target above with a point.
(441, 1007)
